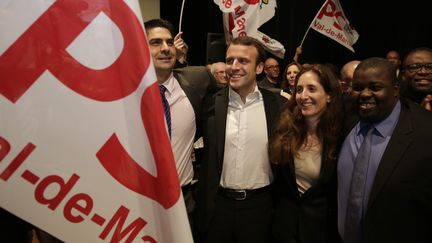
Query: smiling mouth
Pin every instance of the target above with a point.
(367, 106)
(423, 81)
(164, 59)
(307, 104)
(234, 76)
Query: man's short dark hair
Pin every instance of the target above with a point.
(161, 23)
(250, 41)
(381, 63)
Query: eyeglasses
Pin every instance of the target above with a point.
(415, 67)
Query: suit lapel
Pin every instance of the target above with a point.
(221, 112)
(327, 166)
(188, 88)
(399, 142)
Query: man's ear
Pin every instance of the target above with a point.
(397, 89)
(259, 68)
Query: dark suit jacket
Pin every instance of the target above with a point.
(195, 82)
(214, 115)
(400, 202)
(311, 218)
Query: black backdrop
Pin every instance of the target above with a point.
(382, 25)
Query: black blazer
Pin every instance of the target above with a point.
(195, 82)
(400, 201)
(311, 218)
(214, 115)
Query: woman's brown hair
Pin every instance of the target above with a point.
(290, 130)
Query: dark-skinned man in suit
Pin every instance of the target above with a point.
(397, 202)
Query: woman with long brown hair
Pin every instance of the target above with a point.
(303, 153)
(287, 85)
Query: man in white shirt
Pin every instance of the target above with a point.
(234, 202)
(183, 90)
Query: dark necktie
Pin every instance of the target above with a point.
(166, 107)
(354, 214)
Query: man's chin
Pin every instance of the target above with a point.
(423, 88)
(365, 116)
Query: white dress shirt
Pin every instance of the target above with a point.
(246, 163)
(183, 129)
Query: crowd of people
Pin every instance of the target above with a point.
(308, 155)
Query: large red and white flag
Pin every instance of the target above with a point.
(84, 152)
(244, 17)
(332, 22)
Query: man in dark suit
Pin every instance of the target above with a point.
(234, 202)
(397, 201)
(183, 91)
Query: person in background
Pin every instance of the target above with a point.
(271, 70)
(183, 91)
(287, 85)
(234, 202)
(394, 58)
(218, 71)
(384, 182)
(303, 152)
(346, 75)
(417, 76)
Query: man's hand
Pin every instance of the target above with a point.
(181, 47)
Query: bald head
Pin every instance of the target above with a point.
(347, 70)
(346, 75)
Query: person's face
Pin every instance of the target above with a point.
(219, 73)
(162, 49)
(291, 74)
(374, 94)
(271, 68)
(242, 68)
(418, 76)
(346, 84)
(311, 97)
(394, 58)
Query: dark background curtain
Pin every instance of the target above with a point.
(383, 25)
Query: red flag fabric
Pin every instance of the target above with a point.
(332, 22)
(244, 17)
(84, 151)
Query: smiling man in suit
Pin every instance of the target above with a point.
(182, 90)
(392, 202)
(234, 203)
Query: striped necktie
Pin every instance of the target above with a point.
(166, 107)
(353, 231)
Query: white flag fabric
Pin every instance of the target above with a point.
(332, 22)
(84, 151)
(244, 17)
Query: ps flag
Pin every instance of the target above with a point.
(84, 152)
(332, 22)
(244, 17)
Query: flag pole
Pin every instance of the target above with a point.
(181, 16)
(307, 31)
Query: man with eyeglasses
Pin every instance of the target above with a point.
(417, 74)
(271, 70)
